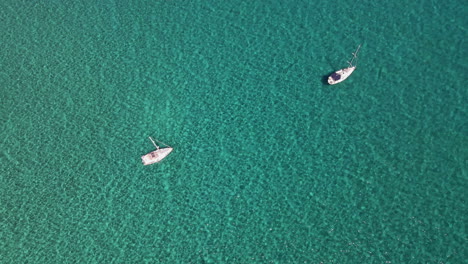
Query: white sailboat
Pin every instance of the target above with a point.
(342, 74)
(157, 155)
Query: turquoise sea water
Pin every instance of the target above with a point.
(270, 164)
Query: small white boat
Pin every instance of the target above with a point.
(342, 74)
(157, 155)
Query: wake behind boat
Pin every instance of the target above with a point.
(157, 155)
(342, 74)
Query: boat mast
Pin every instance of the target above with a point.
(162, 143)
(354, 57)
(156, 146)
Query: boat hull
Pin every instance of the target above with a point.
(155, 156)
(340, 75)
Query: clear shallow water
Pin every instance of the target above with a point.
(270, 164)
